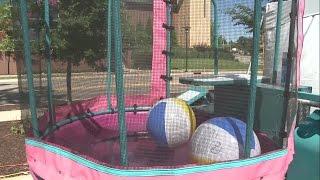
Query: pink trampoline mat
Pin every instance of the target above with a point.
(97, 139)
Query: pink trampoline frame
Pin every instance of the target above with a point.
(53, 162)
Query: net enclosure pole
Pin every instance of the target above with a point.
(89, 115)
(215, 37)
(290, 63)
(119, 83)
(28, 65)
(169, 9)
(109, 33)
(277, 43)
(48, 58)
(253, 78)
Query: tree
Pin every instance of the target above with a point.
(143, 35)
(222, 41)
(244, 44)
(242, 15)
(79, 34)
(174, 39)
(7, 44)
(140, 36)
(149, 32)
(128, 32)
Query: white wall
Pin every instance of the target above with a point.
(311, 7)
(310, 73)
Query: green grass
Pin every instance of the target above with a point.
(205, 63)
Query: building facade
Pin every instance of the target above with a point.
(194, 15)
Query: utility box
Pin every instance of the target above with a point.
(233, 100)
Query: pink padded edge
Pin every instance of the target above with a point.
(49, 166)
(52, 166)
(159, 44)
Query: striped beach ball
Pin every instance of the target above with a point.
(171, 122)
(221, 139)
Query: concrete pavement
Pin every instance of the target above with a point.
(9, 100)
(19, 176)
(13, 115)
(84, 85)
(9, 91)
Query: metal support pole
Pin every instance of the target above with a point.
(38, 45)
(186, 51)
(87, 115)
(290, 62)
(168, 48)
(253, 79)
(119, 84)
(109, 33)
(186, 30)
(277, 43)
(48, 58)
(215, 38)
(28, 64)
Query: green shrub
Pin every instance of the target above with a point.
(18, 129)
(141, 58)
(201, 51)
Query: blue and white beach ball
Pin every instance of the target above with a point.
(221, 139)
(171, 122)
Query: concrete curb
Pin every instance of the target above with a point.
(9, 80)
(14, 115)
(18, 176)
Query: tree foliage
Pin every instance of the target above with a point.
(6, 28)
(80, 32)
(141, 37)
(221, 39)
(136, 36)
(245, 44)
(242, 15)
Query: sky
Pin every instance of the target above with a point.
(226, 25)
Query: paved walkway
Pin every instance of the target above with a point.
(13, 115)
(92, 83)
(9, 100)
(24, 176)
(9, 92)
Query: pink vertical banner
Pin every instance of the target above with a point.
(158, 85)
(300, 37)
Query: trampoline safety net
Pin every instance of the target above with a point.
(100, 67)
